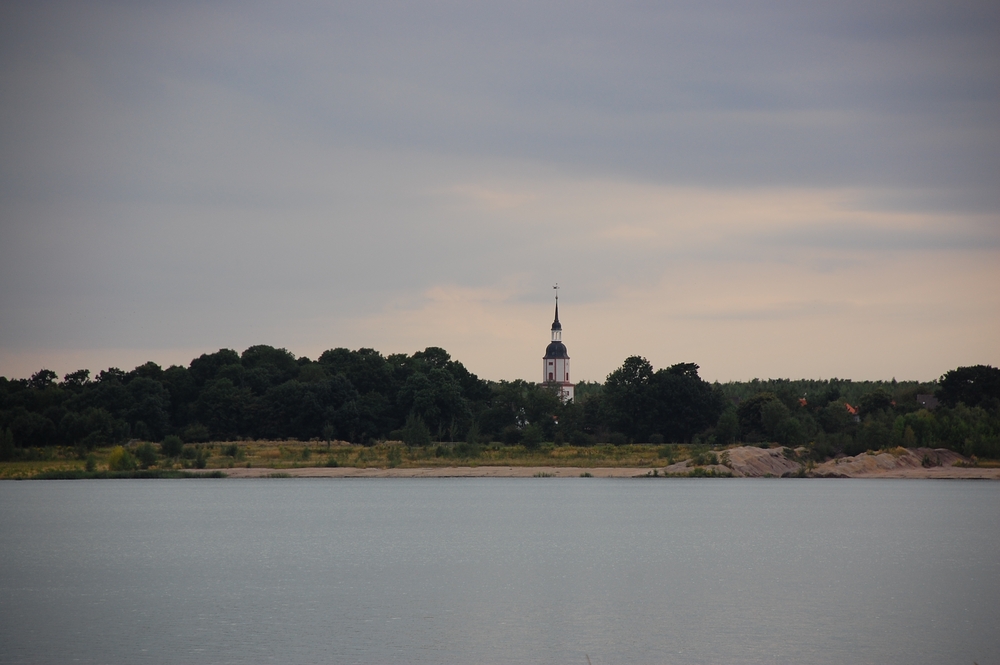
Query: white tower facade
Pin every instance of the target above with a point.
(555, 364)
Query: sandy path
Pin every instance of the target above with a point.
(442, 472)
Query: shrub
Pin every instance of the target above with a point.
(91, 464)
(415, 432)
(511, 435)
(146, 454)
(121, 460)
(532, 436)
(617, 439)
(196, 433)
(171, 446)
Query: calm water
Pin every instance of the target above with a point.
(500, 571)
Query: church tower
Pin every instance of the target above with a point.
(555, 364)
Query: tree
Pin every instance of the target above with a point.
(6, 444)
(728, 427)
(750, 415)
(205, 367)
(43, 379)
(150, 405)
(978, 385)
(222, 407)
(78, 379)
(877, 400)
(415, 432)
(279, 365)
(626, 397)
(681, 403)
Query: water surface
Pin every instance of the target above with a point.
(506, 570)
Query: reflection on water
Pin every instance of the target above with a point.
(500, 570)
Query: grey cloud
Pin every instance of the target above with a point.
(169, 168)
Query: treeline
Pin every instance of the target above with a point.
(961, 411)
(363, 397)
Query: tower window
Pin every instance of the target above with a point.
(550, 376)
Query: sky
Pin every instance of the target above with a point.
(767, 189)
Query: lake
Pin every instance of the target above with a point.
(483, 570)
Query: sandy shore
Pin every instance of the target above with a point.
(740, 462)
(443, 472)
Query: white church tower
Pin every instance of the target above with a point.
(555, 364)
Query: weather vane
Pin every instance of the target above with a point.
(556, 287)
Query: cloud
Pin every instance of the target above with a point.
(707, 181)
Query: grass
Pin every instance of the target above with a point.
(52, 461)
(76, 474)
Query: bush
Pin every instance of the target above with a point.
(121, 460)
(415, 432)
(171, 446)
(196, 433)
(511, 435)
(617, 439)
(532, 436)
(91, 464)
(146, 454)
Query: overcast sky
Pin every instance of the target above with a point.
(768, 189)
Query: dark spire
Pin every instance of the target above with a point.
(555, 324)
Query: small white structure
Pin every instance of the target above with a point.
(555, 364)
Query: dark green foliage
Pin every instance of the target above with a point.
(361, 396)
(532, 436)
(750, 414)
(145, 454)
(172, 446)
(415, 432)
(6, 444)
(875, 402)
(728, 428)
(978, 385)
(672, 403)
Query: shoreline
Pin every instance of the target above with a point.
(943, 473)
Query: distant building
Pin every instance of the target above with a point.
(555, 364)
(929, 402)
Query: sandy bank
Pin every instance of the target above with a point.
(443, 472)
(742, 462)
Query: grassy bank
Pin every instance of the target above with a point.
(58, 462)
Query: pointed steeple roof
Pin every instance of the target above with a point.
(555, 324)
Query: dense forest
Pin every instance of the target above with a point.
(363, 397)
